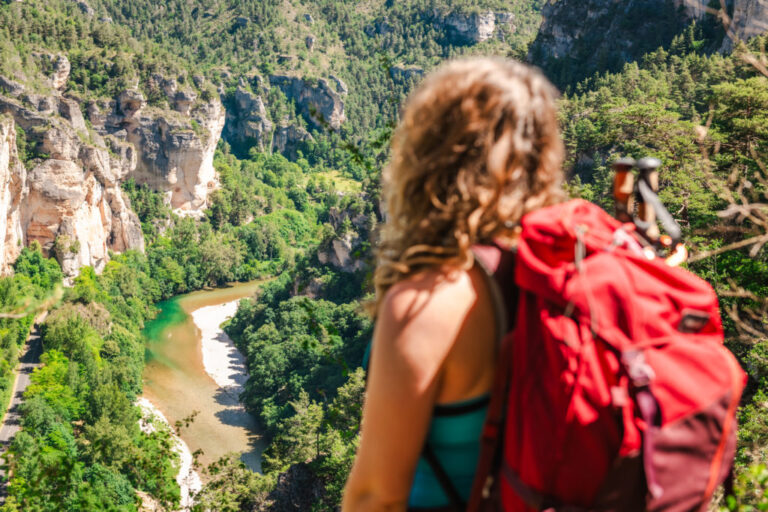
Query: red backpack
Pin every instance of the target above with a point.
(614, 390)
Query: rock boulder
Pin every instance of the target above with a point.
(316, 100)
(247, 121)
(471, 28)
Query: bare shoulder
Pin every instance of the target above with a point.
(429, 294)
(419, 322)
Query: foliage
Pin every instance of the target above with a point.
(81, 447)
(702, 114)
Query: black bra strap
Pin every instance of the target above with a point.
(457, 503)
(465, 408)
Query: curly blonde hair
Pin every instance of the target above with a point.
(477, 147)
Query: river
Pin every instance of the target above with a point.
(176, 381)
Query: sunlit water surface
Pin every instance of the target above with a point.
(176, 382)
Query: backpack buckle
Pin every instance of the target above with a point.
(640, 372)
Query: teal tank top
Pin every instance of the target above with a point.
(454, 436)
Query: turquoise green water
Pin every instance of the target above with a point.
(171, 314)
(176, 382)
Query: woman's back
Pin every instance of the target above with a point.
(476, 148)
(454, 442)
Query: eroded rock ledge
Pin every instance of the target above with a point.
(65, 192)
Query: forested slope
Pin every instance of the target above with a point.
(311, 91)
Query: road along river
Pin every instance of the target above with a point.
(192, 365)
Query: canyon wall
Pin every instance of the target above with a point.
(581, 37)
(750, 18)
(65, 191)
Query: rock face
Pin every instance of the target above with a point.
(341, 87)
(470, 28)
(247, 121)
(61, 68)
(69, 198)
(13, 178)
(288, 138)
(71, 203)
(316, 100)
(580, 37)
(341, 251)
(750, 18)
(175, 148)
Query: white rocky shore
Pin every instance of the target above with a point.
(225, 365)
(221, 359)
(188, 479)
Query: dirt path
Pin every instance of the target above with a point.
(12, 420)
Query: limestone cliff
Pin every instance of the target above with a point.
(343, 250)
(68, 197)
(247, 120)
(288, 138)
(70, 201)
(317, 101)
(580, 37)
(12, 191)
(471, 28)
(175, 148)
(750, 18)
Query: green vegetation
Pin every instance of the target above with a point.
(34, 281)
(701, 113)
(81, 447)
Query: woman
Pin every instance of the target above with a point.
(477, 147)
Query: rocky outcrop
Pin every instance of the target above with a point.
(469, 28)
(341, 87)
(247, 121)
(339, 252)
(69, 198)
(316, 100)
(10, 87)
(462, 28)
(13, 179)
(70, 201)
(288, 139)
(61, 68)
(694, 9)
(750, 19)
(580, 37)
(175, 148)
(343, 250)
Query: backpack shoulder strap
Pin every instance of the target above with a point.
(491, 259)
(505, 295)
